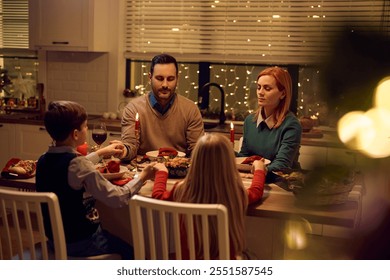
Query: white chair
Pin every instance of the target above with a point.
(22, 226)
(159, 221)
(22, 231)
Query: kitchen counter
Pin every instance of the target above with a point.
(323, 136)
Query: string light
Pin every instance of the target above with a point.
(239, 85)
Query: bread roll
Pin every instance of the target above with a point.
(17, 170)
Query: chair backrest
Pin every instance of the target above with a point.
(22, 232)
(159, 221)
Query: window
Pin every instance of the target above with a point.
(14, 24)
(277, 32)
(237, 38)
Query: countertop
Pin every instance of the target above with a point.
(320, 136)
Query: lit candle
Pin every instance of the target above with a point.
(137, 122)
(232, 132)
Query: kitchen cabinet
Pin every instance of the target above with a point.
(7, 143)
(69, 25)
(31, 141)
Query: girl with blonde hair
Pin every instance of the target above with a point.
(213, 178)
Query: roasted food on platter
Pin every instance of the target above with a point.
(23, 167)
(167, 152)
(177, 167)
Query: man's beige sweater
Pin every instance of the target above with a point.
(179, 128)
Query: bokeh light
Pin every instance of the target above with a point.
(382, 94)
(369, 132)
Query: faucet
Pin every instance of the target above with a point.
(203, 93)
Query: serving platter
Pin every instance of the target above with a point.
(247, 167)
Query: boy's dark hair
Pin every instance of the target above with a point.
(63, 117)
(163, 59)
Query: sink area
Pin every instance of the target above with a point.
(211, 124)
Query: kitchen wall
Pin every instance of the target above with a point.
(79, 76)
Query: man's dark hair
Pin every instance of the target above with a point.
(163, 59)
(63, 117)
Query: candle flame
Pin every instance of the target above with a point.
(231, 125)
(136, 117)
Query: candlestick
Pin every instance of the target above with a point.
(136, 123)
(231, 132)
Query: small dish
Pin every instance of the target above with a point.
(118, 175)
(247, 167)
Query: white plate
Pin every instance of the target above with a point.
(154, 154)
(113, 176)
(247, 167)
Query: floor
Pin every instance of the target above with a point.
(5, 251)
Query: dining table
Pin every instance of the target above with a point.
(265, 221)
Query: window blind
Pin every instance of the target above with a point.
(14, 24)
(246, 31)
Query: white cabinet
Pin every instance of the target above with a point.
(7, 143)
(31, 141)
(69, 25)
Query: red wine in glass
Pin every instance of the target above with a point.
(99, 133)
(99, 138)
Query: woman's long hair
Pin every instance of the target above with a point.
(213, 178)
(283, 82)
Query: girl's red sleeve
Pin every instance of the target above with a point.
(160, 187)
(256, 190)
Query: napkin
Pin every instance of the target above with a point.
(122, 181)
(162, 152)
(251, 159)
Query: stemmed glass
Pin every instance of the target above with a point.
(99, 133)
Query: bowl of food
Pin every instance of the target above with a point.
(177, 167)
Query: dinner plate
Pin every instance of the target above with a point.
(247, 167)
(113, 176)
(154, 154)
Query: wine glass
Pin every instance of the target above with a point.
(99, 133)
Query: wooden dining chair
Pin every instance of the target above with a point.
(156, 228)
(22, 230)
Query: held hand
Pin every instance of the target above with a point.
(122, 147)
(160, 167)
(148, 172)
(258, 165)
(115, 149)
